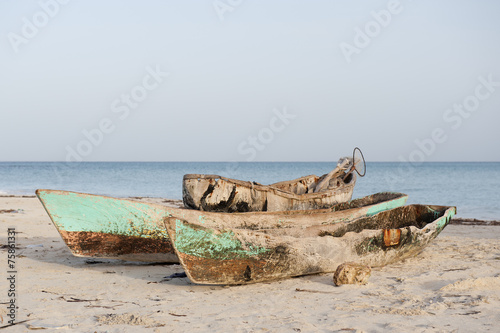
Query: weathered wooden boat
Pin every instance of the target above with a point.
(220, 194)
(241, 256)
(105, 227)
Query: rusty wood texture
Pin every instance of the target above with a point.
(105, 245)
(105, 227)
(98, 226)
(241, 256)
(220, 194)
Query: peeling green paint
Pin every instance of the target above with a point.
(81, 212)
(444, 220)
(387, 205)
(206, 243)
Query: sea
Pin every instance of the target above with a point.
(473, 187)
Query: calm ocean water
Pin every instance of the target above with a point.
(472, 187)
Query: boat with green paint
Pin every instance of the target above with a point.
(231, 256)
(105, 227)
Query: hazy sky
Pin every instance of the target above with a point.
(268, 80)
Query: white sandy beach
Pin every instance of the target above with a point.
(452, 286)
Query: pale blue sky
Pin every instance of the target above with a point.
(229, 79)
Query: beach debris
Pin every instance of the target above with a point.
(470, 313)
(8, 246)
(351, 273)
(74, 299)
(112, 307)
(127, 319)
(93, 262)
(315, 291)
(15, 323)
(11, 211)
(44, 326)
(462, 221)
(456, 269)
(176, 276)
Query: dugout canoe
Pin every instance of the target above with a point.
(237, 256)
(105, 227)
(220, 194)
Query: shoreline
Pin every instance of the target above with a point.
(472, 221)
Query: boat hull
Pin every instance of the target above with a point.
(220, 194)
(104, 227)
(237, 256)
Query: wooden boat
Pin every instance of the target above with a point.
(220, 194)
(240, 256)
(105, 227)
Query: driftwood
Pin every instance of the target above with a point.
(239, 256)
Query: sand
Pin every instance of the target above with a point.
(452, 286)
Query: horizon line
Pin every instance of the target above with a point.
(76, 162)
